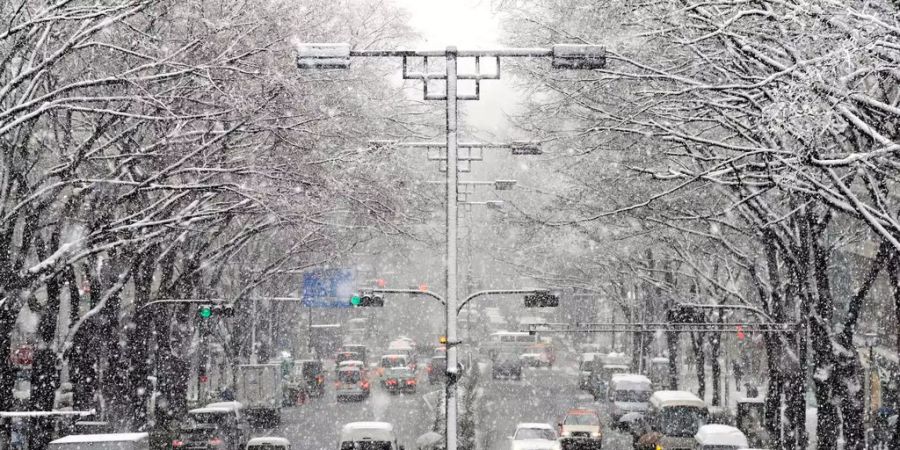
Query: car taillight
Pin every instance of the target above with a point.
(176, 443)
(337, 384)
(365, 384)
(410, 381)
(320, 379)
(215, 441)
(391, 381)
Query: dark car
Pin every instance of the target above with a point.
(437, 369)
(217, 426)
(308, 376)
(400, 380)
(507, 365)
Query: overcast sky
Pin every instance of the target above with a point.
(467, 24)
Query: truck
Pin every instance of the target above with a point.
(258, 387)
(325, 339)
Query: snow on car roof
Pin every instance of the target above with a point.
(352, 362)
(369, 426)
(274, 440)
(716, 434)
(543, 426)
(630, 381)
(230, 405)
(207, 409)
(676, 398)
(111, 437)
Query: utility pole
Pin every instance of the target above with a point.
(338, 56)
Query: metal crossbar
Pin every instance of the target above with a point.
(712, 327)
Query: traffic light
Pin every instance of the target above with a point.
(367, 300)
(207, 311)
(541, 300)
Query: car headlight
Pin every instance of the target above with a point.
(566, 434)
(597, 435)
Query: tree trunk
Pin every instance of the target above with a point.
(700, 358)
(44, 374)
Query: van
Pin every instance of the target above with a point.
(672, 420)
(368, 436)
(600, 376)
(627, 393)
(113, 441)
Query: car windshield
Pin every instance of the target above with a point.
(266, 447)
(349, 376)
(346, 356)
(681, 421)
(630, 396)
(581, 419)
(535, 433)
(366, 445)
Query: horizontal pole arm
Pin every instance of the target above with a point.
(504, 52)
(498, 292)
(411, 291)
(664, 326)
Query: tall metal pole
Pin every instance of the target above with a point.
(452, 222)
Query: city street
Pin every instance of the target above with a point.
(317, 424)
(543, 395)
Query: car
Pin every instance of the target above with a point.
(308, 375)
(351, 384)
(268, 443)
(360, 350)
(531, 359)
(506, 365)
(580, 429)
(219, 425)
(368, 436)
(437, 369)
(342, 356)
(534, 436)
(585, 366)
(354, 363)
(627, 393)
(390, 361)
(399, 379)
(118, 441)
(720, 437)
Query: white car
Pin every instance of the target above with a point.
(534, 436)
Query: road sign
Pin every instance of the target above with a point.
(327, 288)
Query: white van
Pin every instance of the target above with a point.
(368, 436)
(113, 441)
(628, 392)
(720, 437)
(268, 443)
(676, 416)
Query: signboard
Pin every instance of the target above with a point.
(327, 288)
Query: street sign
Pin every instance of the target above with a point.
(327, 288)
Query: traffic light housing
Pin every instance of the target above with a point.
(367, 300)
(212, 310)
(541, 300)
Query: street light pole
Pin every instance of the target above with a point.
(452, 224)
(565, 56)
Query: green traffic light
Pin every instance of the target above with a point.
(205, 312)
(354, 300)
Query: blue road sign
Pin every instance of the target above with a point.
(327, 288)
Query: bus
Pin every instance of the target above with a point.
(510, 341)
